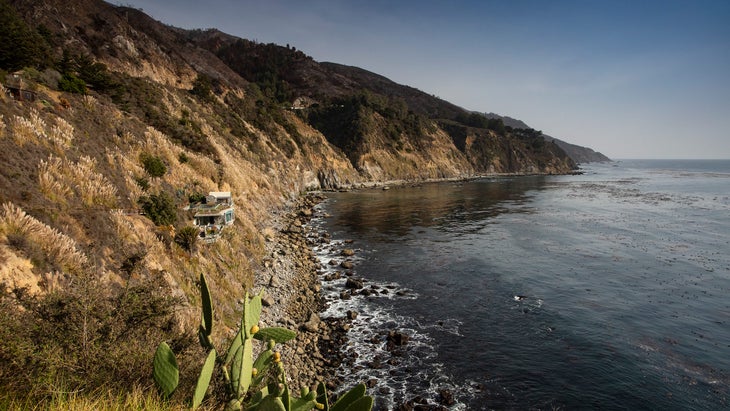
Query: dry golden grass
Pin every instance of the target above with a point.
(59, 179)
(89, 102)
(93, 187)
(24, 132)
(158, 144)
(52, 182)
(62, 133)
(34, 129)
(58, 247)
(132, 231)
(200, 171)
(137, 399)
(2, 126)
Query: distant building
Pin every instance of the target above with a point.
(15, 88)
(216, 213)
(300, 103)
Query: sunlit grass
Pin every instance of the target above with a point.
(138, 399)
(59, 178)
(57, 246)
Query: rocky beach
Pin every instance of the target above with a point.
(293, 276)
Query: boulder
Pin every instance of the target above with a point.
(354, 283)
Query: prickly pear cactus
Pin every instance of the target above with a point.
(164, 370)
(253, 385)
(204, 379)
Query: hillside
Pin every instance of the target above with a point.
(577, 153)
(112, 124)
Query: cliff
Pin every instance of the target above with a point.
(578, 154)
(129, 121)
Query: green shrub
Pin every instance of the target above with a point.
(160, 208)
(142, 182)
(203, 88)
(20, 46)
(153, 165)
(187, 237)
(196, 198)
(72, 84)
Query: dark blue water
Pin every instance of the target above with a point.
(609, 290)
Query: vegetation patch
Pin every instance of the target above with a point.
(160, 208)
(83, 340)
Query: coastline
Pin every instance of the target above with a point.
(290, 274)
(293, 300)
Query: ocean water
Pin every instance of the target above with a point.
(607, 290)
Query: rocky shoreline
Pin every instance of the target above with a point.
(291, 276)
(293, 300)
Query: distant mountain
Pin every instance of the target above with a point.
(578, 153)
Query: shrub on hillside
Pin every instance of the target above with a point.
(20, 46)
(82, 339)
(160, 208)
(187, 238)
(153, 165)
(72, 84)
(196, 198)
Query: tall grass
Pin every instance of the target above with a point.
(60, 179)
(62, 133)
(34, 129)
(52, 181)
(89, 102)
(24, 130)
(87, 345)
(58, 247)
(138, 399)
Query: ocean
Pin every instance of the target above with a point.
(606, 290)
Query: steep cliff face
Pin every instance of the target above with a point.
(387, 130)
(221, 114)
(577, 153)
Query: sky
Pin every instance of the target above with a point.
(631, 79)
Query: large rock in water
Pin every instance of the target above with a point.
(354, 283)
(396, 339)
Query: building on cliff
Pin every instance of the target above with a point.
(214, 214)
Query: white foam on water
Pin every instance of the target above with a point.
(407, 371)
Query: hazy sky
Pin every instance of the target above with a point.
(632, 79)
